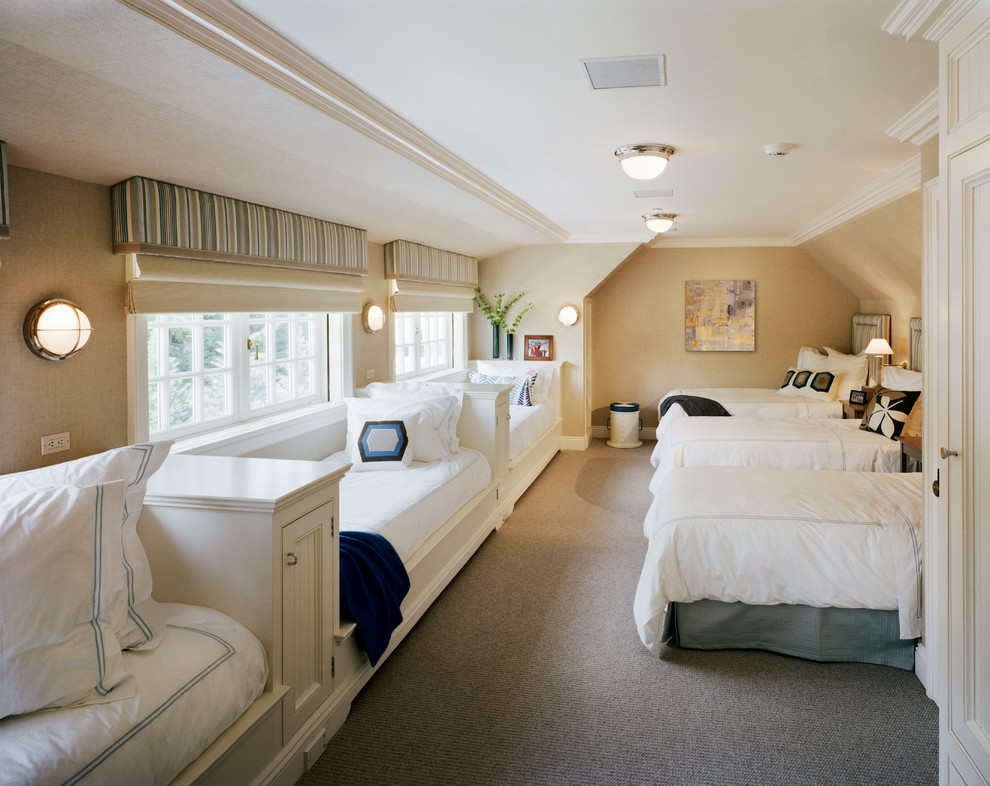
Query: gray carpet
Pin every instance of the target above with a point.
(528, 670)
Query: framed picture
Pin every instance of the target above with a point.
(857, 396)
(539, 348)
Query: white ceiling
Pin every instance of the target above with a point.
(468, 124)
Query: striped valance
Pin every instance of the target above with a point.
(4, 198)
(152, 217)
(413, 262)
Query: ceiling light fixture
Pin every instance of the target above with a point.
(778, 149)
(658, 221)
(644, 161)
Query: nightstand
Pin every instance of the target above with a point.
(853, 410)
(910, 448)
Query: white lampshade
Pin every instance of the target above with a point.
(644, 161)
(56, 329)
(878, 346)
(659, 222)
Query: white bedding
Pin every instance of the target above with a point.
(407, 506)
(527, 424)
(759, 403)
(795, 443)
(204, 674)
(769, 536)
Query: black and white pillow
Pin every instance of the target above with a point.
(888, 411)
(810, 384)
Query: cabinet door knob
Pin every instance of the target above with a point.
(291, 559)
(945, 453)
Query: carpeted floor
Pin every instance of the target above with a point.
(528, 670)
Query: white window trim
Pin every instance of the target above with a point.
(240, 438)
(459, 351)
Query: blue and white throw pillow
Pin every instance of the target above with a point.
(384, 444)
(522, 387)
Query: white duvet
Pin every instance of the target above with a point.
(759, 403)
(407, 506)
(794, 443)
(767, 536)
(204, 674)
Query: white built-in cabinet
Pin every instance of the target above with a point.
(253, 538)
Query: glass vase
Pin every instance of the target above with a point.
(495, 336)
(508, 345)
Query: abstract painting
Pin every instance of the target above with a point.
(720, 316)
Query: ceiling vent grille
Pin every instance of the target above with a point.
(609, 72)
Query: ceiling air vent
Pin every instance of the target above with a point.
(608, 72)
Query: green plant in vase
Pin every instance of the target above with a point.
(495, 312)
(510, 331)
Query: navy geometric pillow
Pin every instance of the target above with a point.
(822, 381)
(888, 411)
(787, 378)
(383, 440)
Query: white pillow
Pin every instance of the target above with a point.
(431, 439)
(850, 370)
(138, 620)
(383, 444)
(59, 546)
(807, 356)
(897, 378)
(443, 420)
(511, 368)
(810, 384)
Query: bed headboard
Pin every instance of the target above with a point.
(866, 327)
(915, 357)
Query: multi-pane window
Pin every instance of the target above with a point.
(424, 343)
(210, 370)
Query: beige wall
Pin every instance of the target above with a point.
(371, 350)
(551, 276)
(60, 246)
(638, 335)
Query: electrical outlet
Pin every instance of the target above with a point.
(371, 373)
(55, 443)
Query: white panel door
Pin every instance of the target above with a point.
(965, 473)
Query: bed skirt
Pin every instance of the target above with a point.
(822, 634)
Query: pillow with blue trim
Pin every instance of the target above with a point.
(522, 387)
(810, 384)
(888, 411)
(432, 435)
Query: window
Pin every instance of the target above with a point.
(205, 371)
(424, 342)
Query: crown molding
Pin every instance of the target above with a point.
(920, 124)
(910, 16)
(948, 18)
(899, 182)
(228, 31)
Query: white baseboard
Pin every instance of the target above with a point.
(575, 443)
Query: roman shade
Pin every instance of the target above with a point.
(429, 279)
(4, 203)
(195, 251)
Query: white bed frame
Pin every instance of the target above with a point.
(191, 534)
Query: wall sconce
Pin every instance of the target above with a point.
(878, 347)
(56, 329)
(644, 161)
(372, 318)
(659, 222)
(568, 316)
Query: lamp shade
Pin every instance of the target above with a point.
(659, 222)
(56, 329)
(878, 346)
(644, 161)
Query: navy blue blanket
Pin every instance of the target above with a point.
(694, 405)
(373, 582)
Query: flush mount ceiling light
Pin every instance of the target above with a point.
(56, 329)
(645, 160)
(778, 149)
(657, 221)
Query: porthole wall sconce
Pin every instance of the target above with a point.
(644, 160)
(657, 221)
(372, 318)
(56, 329)
(568, 316)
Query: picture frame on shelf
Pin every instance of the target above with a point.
(538, 347)
(857, 396)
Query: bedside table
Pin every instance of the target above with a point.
(853, 410)
(910, 448)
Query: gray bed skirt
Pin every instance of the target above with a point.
(822, 634)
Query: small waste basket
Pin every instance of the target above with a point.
(624, 425)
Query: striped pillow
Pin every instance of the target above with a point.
(522, 387)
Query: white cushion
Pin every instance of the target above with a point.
(59, 546)
(897, 378)
(138, 620)
(850, 370)
(809, 384)
(808, 355)
(431, 439)
(511, 368)
(385, 444)
(444, 419)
